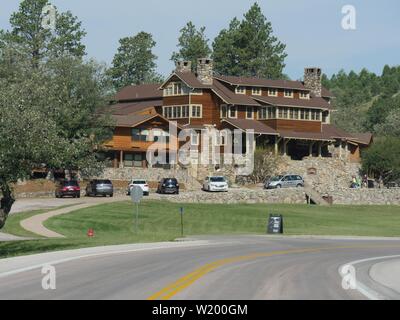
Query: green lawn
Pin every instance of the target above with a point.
(160, 221)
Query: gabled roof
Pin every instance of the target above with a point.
(189, 78)
(247, 124)
(313, 102)
(133, 120)
(319, 136)
(259, 82)
(140, 92)
(231, 97)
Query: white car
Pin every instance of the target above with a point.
(140, 183)
(214, 184)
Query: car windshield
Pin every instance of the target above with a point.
(103, 181)
(138, 182)
(171, 181)
(277, 178)
(217, 179)
(71, 183)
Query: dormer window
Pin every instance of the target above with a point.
(175, 89)
(288, 93)
(240, 90)
(256, 91)
(272, 92)
(249, 113)
(232, 112)
(304, 95)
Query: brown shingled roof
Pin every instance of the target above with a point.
(245, 124)
(187, 77)
(326, 93)
(231, 97)
(321, 136)
(140, 92)
(129, 108)
(259, 82)
(313, 102)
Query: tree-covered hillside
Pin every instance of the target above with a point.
(366, 101)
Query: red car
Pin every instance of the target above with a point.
(68, 188)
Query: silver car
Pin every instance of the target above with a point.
(285, 181)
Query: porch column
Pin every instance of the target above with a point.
(310, 148)
(277, 145)
(319, 149)
(285, 142)
(121, 159)
(340, 149)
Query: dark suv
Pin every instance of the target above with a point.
(99, 188)
(68, 188)
(168, 185)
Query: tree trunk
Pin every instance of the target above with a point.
(6, 203)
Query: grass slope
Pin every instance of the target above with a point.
(160, 221)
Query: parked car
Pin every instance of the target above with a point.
(99, 188)
(285, 181)
(168, 185)
(215, 184)
(68, 188)
(140, 183)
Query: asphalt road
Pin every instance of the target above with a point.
(240, 267)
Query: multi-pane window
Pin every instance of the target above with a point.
(325, 117)
(232, 112)
(304, 95)
(267, 113)
(288, 93)
(249, 113)
(240, 90)
(256, 91)
(197, 92)
(175, 89)
(224, 111)
(196, 111)
(315, 115)
(272, 92)
(176, 112)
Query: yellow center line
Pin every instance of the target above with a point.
(182, 283)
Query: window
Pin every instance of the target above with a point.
(288, 93)
(304, 95)
(232, 112)
(176, 112)
(197, 111)
(240, 90)
(249, 113)
(224, 111)
(283, 113)
(267, 113)
(175, 89)
(273, 92)
(325, 117)
(315, 115)
(139, 134)
(137, 160)
(256, 91)
(197, 92)
(304, 114)
(194, 139)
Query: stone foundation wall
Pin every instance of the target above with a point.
(367, 196)
(288, 196)
(152, 175)
(325, 175)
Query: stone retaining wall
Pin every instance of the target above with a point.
(288, 196)
(152, 175)
(367, 196)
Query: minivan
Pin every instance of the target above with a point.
(285, 181)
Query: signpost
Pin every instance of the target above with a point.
(275, 224)
(181, 221)
(136, 196)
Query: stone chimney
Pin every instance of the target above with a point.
(205, 71)
(183, 66)
(312, 80)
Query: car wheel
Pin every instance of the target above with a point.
(111, 195)
(278, 186)
(78, 196)
(208, 189)
(57, 196)
(299, 185)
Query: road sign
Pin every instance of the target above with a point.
(275, 224)
(136, 194)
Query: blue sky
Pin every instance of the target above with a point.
(311, 29)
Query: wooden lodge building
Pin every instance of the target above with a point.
(292, 118)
